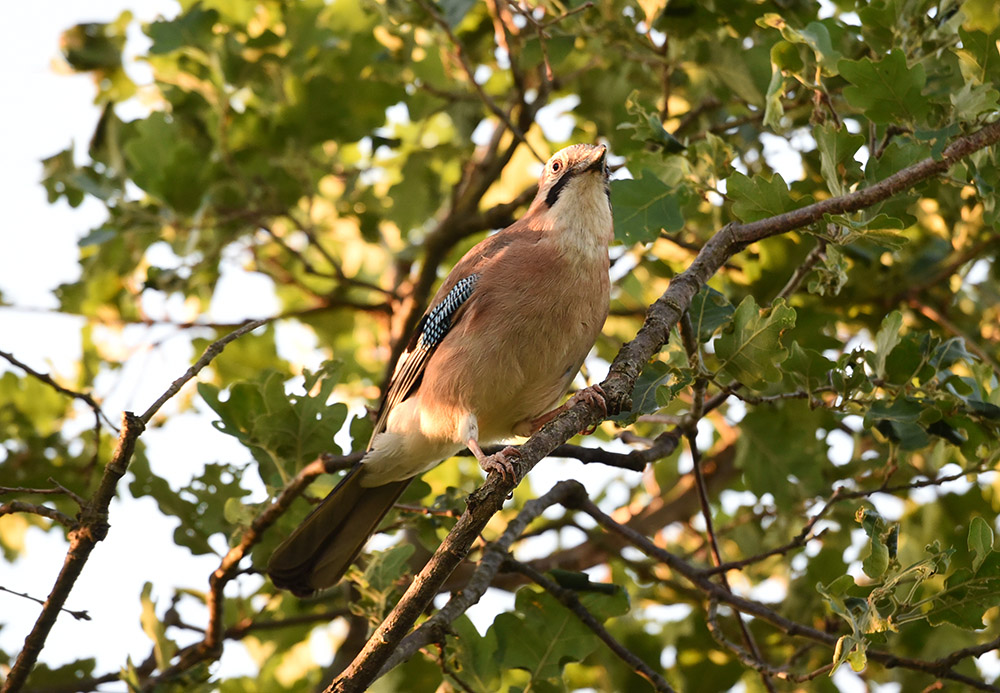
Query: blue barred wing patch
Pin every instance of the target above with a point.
(438, 321)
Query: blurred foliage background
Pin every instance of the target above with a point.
(349, 152)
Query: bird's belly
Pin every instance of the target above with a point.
(537, 364)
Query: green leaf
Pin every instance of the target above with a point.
(870, 521)
(837, 148)
(750, 348)
(857, 658)
(647, 127)
(980, 541)
(885, 341)
(282, 431)
(709, 311)
(778, 443)
(543, 635)
(191, 28)
(455, 10)
(887, 91)
(643, 207)
(979, 57)
(758, 197)
(210, 503)
(902, 409)
(166, 163)
(876, 560)
(808, 367)
(385, 568)
(830, 273)
(774, 110)
(476, 654)
(658, 383)
(815, 35)
(974, 100)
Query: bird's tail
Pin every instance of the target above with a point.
(318, 553)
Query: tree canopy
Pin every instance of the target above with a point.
(802, 358)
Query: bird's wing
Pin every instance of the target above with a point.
(444, 313)
(431, 329)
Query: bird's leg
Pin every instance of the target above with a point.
(499, 462)
(592, 395)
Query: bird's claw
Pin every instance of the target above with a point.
(593, 396)
(500, 462)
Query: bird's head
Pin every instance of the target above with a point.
(573, 191)
(577, 170)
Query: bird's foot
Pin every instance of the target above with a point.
(593, 396)
(501, 462)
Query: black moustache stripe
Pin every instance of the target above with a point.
(553, 194)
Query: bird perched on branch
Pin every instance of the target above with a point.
(498, 348)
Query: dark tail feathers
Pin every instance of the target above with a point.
(321, 549)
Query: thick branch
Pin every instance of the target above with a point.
(92, 528)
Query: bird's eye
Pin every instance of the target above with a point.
(556, 166)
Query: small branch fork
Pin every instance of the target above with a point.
(660, 319)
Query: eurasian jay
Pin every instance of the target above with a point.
(498, 348)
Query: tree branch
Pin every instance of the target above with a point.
(701, 580)
(42, 510)
(47, 379)
(490, 564)
(213, 350)
(487, 100)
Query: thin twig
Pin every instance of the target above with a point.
(803, 269)
(210, 647)
(706, 511)
(47, 379)
(700, 579)
(936, 316)
(213, 350)
(42, 510)
(78, 615)
(748, 659)
(92, 526)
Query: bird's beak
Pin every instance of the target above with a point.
(597, 160)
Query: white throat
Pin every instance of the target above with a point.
(582, 219)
